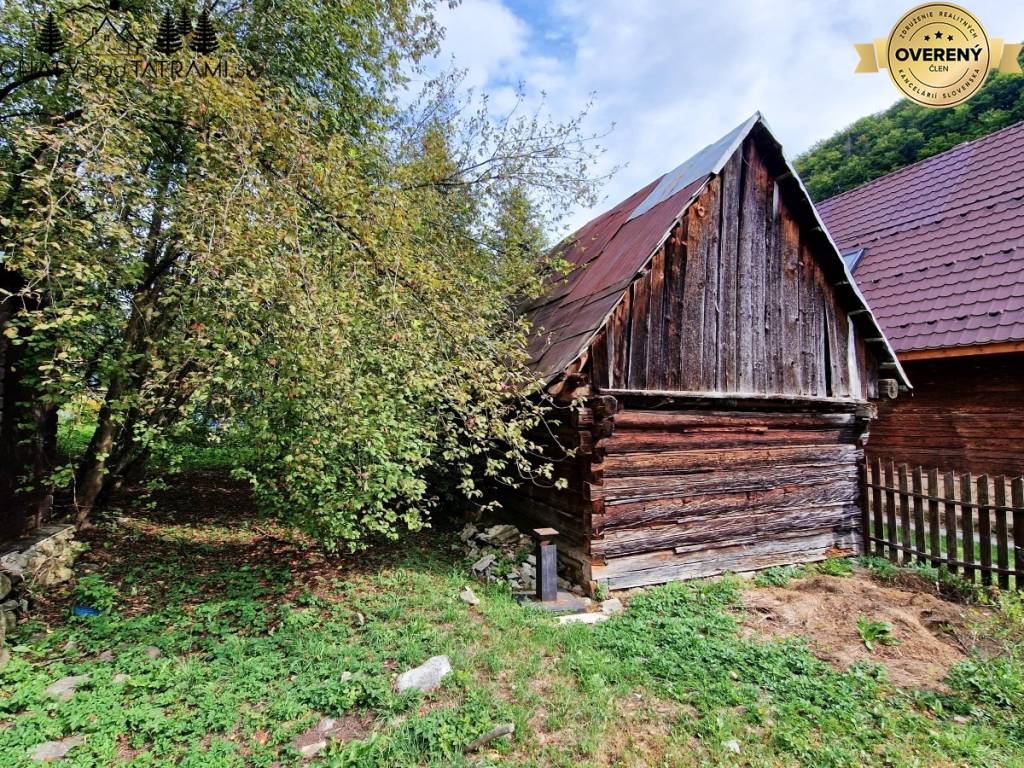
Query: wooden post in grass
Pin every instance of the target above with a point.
(547, 564)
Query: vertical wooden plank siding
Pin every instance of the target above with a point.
(729, 253)
(675, 272)
(967, 525)
(984, 531)
(934, 527)
(702, 238)
(791, 338)
(600, 364)
(656, 324)
(620, 348)
(735, 301)
(949, 493)
(743, 348)
(773, 319)
(638, 332)
(919, 526)
(1002, 539)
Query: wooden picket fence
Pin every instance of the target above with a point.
(972, 524)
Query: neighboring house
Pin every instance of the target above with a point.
(725, 362)
(939, 250)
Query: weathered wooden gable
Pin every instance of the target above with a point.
(736, 300)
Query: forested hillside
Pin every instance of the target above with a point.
(905, 133)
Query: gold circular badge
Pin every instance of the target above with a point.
(938, 54)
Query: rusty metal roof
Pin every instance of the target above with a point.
(610, 251)
(943, 242)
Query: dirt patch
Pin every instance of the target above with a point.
(933, 633)
(350, 727)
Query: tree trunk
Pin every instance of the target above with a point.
(28, 430)
(92, 471)
(94, 463)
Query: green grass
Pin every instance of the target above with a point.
(256, 632)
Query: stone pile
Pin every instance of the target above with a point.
(501, 552)
(45, 559)
(31, 565)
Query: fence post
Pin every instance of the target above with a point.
(919, 544)
(904, 514)
(984, 531)
(933, 517)
(890, 511)
(949, 493)
(1002, 548)
(876, 506)
(967, 525)
(1017, 502)
(865, 509)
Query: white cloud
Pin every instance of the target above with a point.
(673, 76)
(485, 38)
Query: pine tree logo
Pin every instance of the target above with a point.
(204, 38)
(50, 41)
(168, 40)
(184, 20)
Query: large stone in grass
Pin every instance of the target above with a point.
(425, 677)
(583, 618)
(611, 606)
(65, 688)
(56, 750)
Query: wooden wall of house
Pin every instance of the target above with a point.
(688, 488)
(735, 302)
(964, 414)
(726, 408)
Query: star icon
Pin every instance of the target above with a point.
(938, 35)
(927, 37)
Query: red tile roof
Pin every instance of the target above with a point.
(943, 264)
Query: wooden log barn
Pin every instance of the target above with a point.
(718, 366)
(938, 249)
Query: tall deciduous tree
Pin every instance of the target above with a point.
(285, 255)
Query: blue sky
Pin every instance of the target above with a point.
(673, 75)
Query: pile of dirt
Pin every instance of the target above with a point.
(933, 633)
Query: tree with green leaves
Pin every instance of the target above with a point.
(905, 133)
(284, 257)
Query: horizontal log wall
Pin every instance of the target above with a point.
(965, 414)
(736, 302)
(687, 492)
